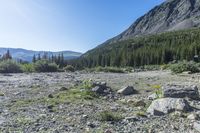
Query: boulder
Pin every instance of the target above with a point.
(127, 90)
(98, 89)
(196, 126)
(193, 116)
(168, 105)
(180, 91)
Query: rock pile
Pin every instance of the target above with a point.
(101, 88)
(173, 100)
(180, 91)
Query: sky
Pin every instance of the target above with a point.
(57, 25)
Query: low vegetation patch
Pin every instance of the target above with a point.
(77, 93)
(158, 91)
(28, 68)
(45, 66)
(109, 116)
(69, 68)
(109, 69)
(10, 66)
(185, 66)
(2, 94)
(141, 114)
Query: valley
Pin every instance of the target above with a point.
(57, 102)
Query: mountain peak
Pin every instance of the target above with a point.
(169, 16)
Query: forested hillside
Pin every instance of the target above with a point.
(148, 50)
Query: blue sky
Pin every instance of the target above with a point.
(77, 25)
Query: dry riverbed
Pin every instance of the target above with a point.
(44, 103)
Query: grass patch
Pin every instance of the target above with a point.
(158, 91)
(2, 94)
(141, 114)
(109, 116)
(109, 69)
(79, 93)
(185, 66)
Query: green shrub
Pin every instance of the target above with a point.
(45, 66)
(158, 91)
(10, 66)
(185, 66)
(69, 68)
(151, 67)
(109, 69)
(28, 68)
(109, 116)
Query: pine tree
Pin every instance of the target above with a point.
(34, 58)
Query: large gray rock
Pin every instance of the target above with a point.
(180, 91)
(98, 89)
(168, 105)
(127, 90)
(101, 88)
(196, 126)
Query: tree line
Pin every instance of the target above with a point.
(149, 50)
(58, 59)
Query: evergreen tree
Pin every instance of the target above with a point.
(34, 58)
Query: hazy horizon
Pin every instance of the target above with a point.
(73, 25)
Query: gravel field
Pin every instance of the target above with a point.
(41, 102)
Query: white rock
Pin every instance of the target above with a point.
(168, 105)
(126, 90)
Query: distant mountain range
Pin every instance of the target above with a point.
(27, 55)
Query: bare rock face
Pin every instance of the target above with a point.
(168, 105)
(180, 91)
(169, 16)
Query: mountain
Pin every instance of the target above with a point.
(169, 16)
(170, 31)
(27, 55)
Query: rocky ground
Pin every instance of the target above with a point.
(57, 103)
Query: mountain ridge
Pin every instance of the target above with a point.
(170, 15)
(27, 55)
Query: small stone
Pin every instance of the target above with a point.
(193, 116)
(132, 118)
(63, 89)
(129, 90)
(85, 116)
(152, 96)
(50, 96)
(108, 131)
(91, 125)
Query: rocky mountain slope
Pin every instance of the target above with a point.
(167, 29)
(170, 15)
(27, 55)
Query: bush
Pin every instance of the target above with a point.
(10, 66)
(45, 66)
(28, 68)
(185, 66)
(109, 116)
(109, 69)
(69, 68)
